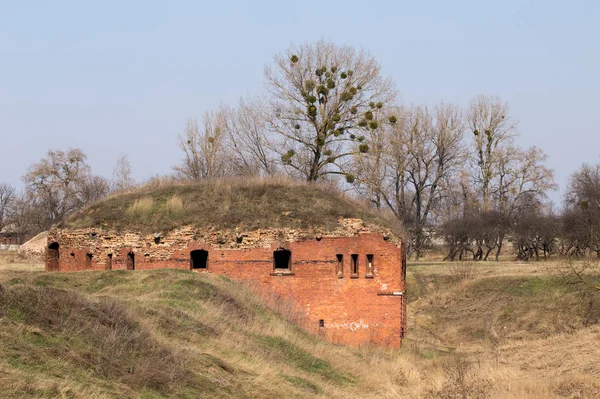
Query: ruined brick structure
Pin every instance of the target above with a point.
(348, 281)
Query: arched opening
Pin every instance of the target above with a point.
(282, 259)
(52, 257)
(130, 261)
(198, 259)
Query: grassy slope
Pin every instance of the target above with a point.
(224, 205)
(517, 330)
(528, 329)
(161, 333)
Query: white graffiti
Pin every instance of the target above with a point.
(353, 326)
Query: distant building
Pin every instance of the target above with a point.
(10, 240)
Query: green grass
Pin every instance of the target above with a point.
(301, 359)
(161, 333)
(173, 333)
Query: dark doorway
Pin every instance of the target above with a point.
(52, 256)
(88, 261)
(198, 259)
(109, 262)
(130, 261)
(282, 258)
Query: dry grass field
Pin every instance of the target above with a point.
(504, 330)
(248, 204)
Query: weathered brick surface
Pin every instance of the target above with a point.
(354, 310)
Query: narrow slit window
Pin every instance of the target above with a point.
(321, 323)
(369, 265)
(88, 260)
(282, 259)
(354, 265)
(199, 259)
(340, 265)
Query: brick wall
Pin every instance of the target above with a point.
(366, 308)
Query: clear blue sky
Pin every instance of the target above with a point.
(122, 77)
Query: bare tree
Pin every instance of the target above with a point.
(7, 198)
(93, 188)
(204, 148)
(584, 187)
(581, 218)
(373, 171)
(487, 118)
(60, 183)
(535, 230)
(249, 140)
(421, 151)
(122, 180)
(323, 99)
(434, 150)
(26, 216)
(519, 184)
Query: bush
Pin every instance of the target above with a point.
(461, 382)
(462, 271)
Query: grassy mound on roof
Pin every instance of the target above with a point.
(226, 204)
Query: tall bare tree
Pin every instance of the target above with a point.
(324, 98)
(505, 179)
(420, 151)
(204, 148)
(487, 118)
(122, 180)
(7, 198)
(372, 171)
(248, 139)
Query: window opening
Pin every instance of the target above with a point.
(321, 323)
(340, 265)
(198, 259)
(282, 259)
(354, 265)
(369, 266)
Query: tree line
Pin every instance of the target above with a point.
(328, 114)
(452, 175)
(60, 183)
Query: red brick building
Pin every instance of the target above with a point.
(349, 281)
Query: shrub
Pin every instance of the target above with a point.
(461, 382)
(462, 271)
